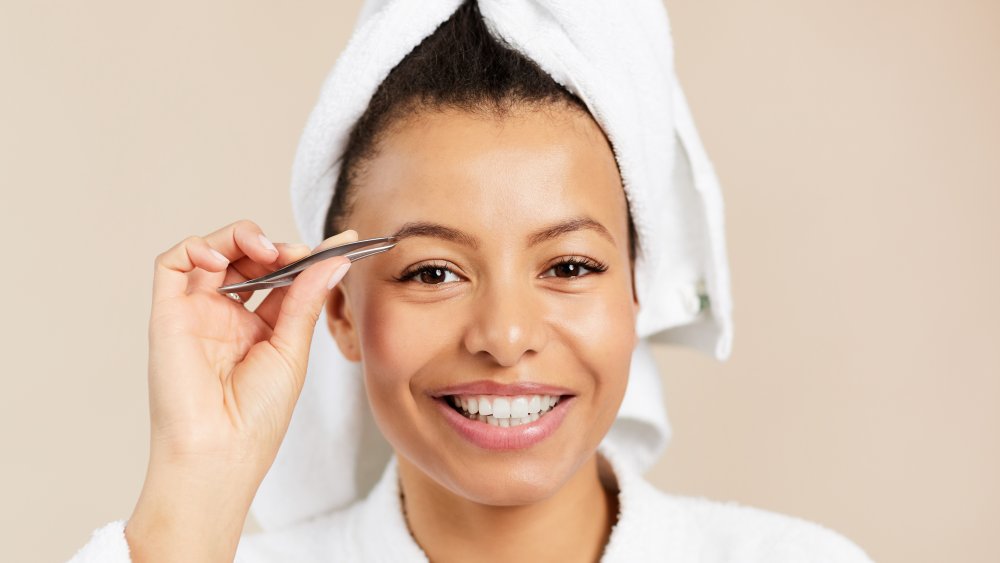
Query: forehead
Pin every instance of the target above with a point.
(530, 167)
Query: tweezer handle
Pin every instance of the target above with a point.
(286, 275)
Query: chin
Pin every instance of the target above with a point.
(516, 482)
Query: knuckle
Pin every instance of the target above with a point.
(245, 224)
(165, 257)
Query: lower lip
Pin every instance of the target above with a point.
(492, 437)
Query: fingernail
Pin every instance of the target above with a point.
(266, 243)
(337, 275)
(219, 257)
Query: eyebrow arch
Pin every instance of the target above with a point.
(437, 230)
(568, 226)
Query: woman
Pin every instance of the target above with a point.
(495, 341)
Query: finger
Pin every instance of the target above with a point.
(171, 268)
(232, 276)
(246, 269)
(270, 307)
(287, 253)
(301, 305)
(345, 237)
(243, 238)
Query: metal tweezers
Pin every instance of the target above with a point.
(284, 276)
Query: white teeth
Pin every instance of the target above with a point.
(502, 410)
(501, 407)
(519, 407)
(485, 406)
(535, 404)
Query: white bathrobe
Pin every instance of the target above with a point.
(311, 504)
(652, 526)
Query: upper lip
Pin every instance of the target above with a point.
(490, 387)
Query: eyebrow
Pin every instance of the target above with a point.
(450, 234)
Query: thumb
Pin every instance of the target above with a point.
(302, 305)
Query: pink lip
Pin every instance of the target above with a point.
(492, 437)
(490, 387)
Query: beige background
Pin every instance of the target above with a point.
(857, 145)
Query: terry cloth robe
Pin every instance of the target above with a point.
(652, 526)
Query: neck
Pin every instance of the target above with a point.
(574, 524)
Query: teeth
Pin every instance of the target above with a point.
(501, 408)
(485, 406)
(506, 411)
(535, 404)
(519, 407)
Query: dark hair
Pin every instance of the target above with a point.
(462, 66)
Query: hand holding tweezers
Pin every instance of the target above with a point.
(284, 276)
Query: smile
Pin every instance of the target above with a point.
(503, 411)
(504, 422)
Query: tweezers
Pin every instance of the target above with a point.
(284, 276)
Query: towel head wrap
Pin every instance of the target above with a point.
(618, 58)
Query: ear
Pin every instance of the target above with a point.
(340, 321)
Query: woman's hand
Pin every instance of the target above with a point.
(223, 381)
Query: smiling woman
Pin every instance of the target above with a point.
(518, 227)
(496, 342)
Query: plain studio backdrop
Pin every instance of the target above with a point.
(856, 143)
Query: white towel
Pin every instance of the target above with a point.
(618, 58)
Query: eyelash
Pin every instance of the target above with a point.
(592, 265)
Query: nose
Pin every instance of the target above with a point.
(508, 323)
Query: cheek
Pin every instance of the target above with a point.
(600, 329)
(399, 339)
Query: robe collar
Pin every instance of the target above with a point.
(384, 535)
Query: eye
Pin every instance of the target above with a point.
(574, 266)
(429, 274)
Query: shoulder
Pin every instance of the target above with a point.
(718, 531)
(746, 533)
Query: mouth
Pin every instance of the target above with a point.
(504, 422)
(503, 411)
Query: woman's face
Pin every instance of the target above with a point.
(478, 290)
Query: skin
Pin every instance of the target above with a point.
(502, 312)
(223, 381)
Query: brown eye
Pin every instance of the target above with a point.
(429, 275)
(432, 275)
(567, 270)
(576, 268)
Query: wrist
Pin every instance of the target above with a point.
(190, 515)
